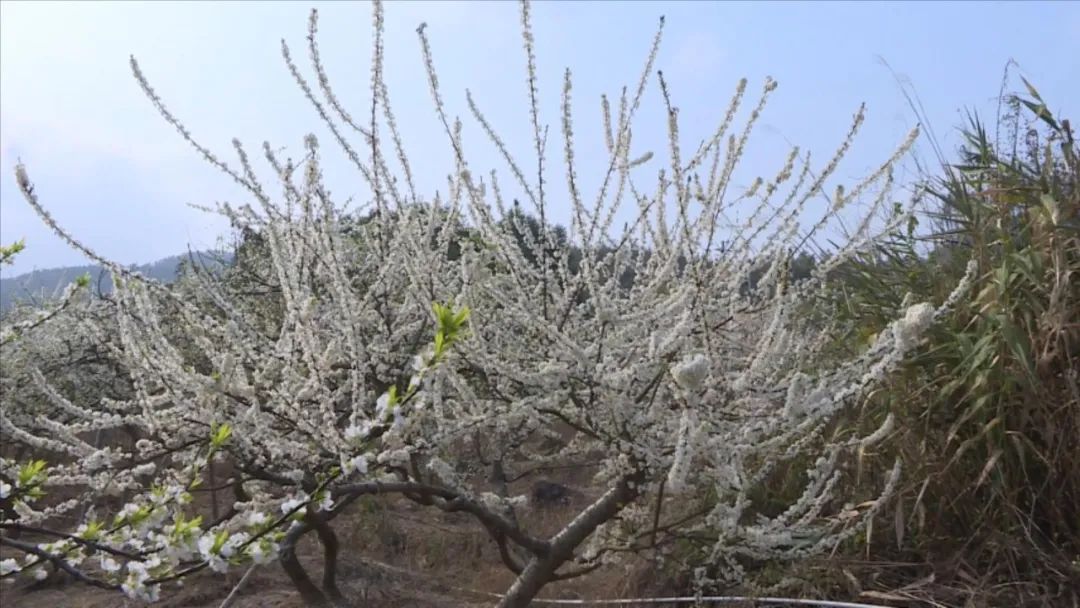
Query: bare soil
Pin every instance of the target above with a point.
(393, 554)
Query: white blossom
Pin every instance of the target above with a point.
(216, 559)
(262, 552)
(108, 564)
(355, 464)
(327, 502)
(881, 432)
(9, 565)
(690, 374)
(910, 328)
(257, 518)
(235, 540)
(291, 504)
(354, 432)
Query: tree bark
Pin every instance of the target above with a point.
(309, 593)
(330, 545)
(329, 596)
(541, 569)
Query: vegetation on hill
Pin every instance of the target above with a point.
(39, 286)
(988, 409)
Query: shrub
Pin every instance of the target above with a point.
(989, 407)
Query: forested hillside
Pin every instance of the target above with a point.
(39, 286)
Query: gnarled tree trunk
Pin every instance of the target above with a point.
(541, 569)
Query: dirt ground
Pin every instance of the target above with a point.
(394, 554)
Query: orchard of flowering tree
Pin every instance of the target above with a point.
(441, 345)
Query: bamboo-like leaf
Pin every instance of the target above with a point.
(989, 466)
(898, 523)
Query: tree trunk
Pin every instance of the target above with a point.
(314, 597)
(540, 570)
(529, 583)
(330, 545)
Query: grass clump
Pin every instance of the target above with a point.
(988, 409)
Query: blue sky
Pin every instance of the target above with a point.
(119, 177)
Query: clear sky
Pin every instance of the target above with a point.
(117, 175)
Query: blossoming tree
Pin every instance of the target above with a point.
(377, 349)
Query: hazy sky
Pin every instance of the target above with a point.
(119, 177)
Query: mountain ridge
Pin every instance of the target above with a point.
(43, 284)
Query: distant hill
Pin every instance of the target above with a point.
(43, 284)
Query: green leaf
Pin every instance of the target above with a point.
(219, 434)
(1042, 112)
(8, 253)
(92, 531)
(461, 317)
(1031, 89)
(1053, 209)
(219, 541)
(449, 326)
(1018, 344)
(30, 472)
(439, 344)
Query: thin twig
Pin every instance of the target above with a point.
(235, 593)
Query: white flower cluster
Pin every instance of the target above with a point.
(344, 355)
(910, 329)
(691, 373)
